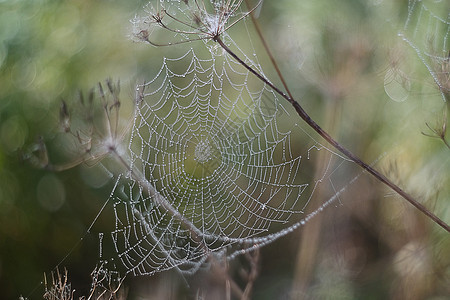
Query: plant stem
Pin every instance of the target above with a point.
(302, 113)
(269, 53)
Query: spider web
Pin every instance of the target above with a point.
(215, 164)
(212, 168)
(427, 31)
(215, 167)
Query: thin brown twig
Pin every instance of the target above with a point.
(267, 49)
(302, 114)
(253, 258)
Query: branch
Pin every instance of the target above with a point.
(302, 113)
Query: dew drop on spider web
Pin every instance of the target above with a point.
(100, 244)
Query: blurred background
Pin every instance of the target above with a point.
(351, 71)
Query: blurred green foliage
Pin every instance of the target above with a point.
(48, 51)
(334, 54)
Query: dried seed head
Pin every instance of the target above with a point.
(200, 20)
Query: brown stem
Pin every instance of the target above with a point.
(253, 258)
(266, 47)
(302, 113)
